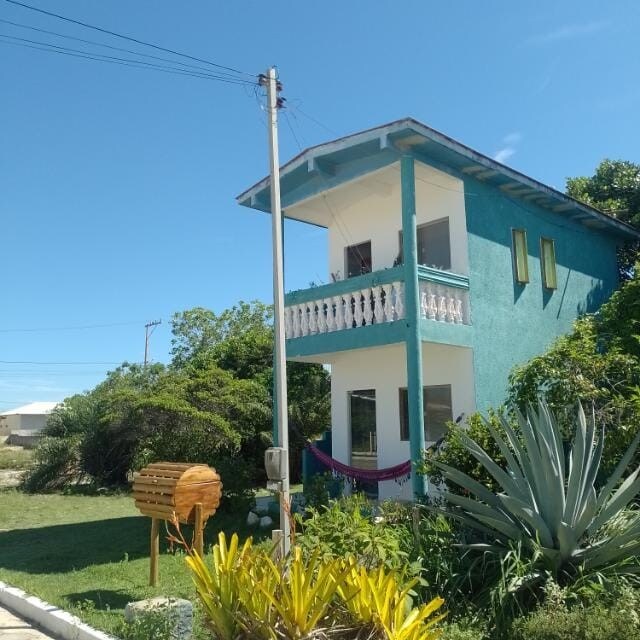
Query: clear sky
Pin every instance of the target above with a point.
(118, 185)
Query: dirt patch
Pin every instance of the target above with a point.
(10, 477)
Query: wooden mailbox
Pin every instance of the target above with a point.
(190, 491)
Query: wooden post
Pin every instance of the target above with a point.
(277, 537)
(155, 551)
(198, 530)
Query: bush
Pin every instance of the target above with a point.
(350, 527)
(245, 593)
(593, 623)
(57, 464)
(454, 453)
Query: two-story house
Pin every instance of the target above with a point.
(447, 267)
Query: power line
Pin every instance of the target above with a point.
(108, 46)
(131, 39)
(71, 328)
(79, 53)
(39, 362)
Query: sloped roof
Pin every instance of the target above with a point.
(330, 164)
(32, 409)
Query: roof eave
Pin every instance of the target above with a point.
(250, 197)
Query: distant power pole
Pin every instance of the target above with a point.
(147, 335)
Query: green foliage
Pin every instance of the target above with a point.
(454, 453)
(614, 616)
(211, 405)
(157, 624)
(549, 519)
(614, 189)
(56, 464)
(321, 489)
(598, 363)
(348, 527)
(463, 631)
(246, 593)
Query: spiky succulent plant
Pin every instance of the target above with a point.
(549, 499)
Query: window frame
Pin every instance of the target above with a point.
(423, 225)
(404, 418)
(346, 258)
(519, 277)
(546, 270)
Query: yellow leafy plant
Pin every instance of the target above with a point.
(305, 593)
(220, 586)
(374, 597)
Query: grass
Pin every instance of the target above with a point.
(15, 457)
(90, 554)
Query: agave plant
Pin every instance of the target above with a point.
(549, 500)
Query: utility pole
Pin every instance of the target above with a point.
(147, 335)
(273, 86)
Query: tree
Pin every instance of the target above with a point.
(597, 363)
(240, 340)
(614, 189)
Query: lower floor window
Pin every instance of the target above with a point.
(437, 410)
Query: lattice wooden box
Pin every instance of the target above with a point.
(164, 488)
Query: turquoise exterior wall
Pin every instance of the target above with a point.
(513, 322)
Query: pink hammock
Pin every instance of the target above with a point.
(366, 475)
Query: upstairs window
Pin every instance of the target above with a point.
(520, 255)
(437, 409)
(548, 262)
(434, 246)
(358, 259)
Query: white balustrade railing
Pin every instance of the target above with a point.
(360, 308)
(444, 303)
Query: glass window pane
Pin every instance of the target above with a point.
(549, 264)
(437, 411)
(363, 428)
(358, 259)
(434, 248)
(404, 415)
(520, 255)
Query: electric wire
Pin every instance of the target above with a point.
(79, 53)
(41, 362)
(340, 224)
(131, 39)
(111, 47)
(71, 328)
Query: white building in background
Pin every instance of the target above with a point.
(29, 419)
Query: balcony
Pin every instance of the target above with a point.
(368, 310)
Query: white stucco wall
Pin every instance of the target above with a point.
(369, 208)
(20, 422)
(384, 369)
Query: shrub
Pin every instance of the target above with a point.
(548, 520)
(245, 593)
(57, 464)
(454, 453)
(349, 526)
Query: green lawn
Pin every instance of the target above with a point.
(88, 554)
(15, 457)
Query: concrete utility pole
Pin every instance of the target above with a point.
(273, 86)
(147, 335)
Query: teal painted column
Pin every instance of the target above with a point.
(412, 317)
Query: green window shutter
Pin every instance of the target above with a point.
(548, 260)
(520, 256)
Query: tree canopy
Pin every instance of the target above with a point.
(615, 189)
(211, 404)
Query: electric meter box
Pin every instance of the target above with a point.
(275, 463)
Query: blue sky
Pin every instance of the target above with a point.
(117, 185)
